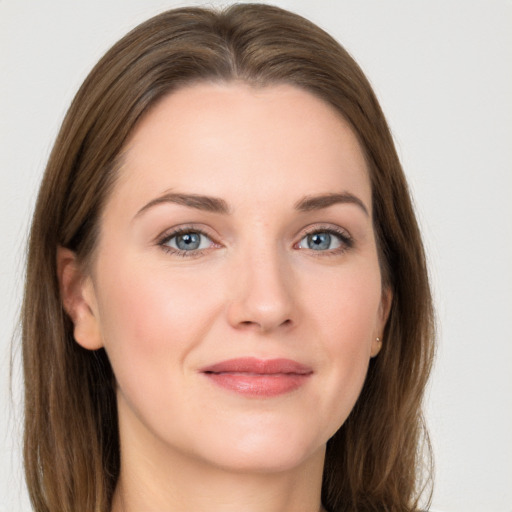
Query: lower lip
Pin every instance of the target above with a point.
(259, 385)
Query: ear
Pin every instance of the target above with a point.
(78, 299)
(383, 315)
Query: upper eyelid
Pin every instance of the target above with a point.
(172, 232)
(344, 237)
(163, 240)
(319, 228)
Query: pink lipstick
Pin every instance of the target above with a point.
(257, 377)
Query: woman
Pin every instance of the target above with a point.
(227, 305)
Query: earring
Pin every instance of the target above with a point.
(376, 348)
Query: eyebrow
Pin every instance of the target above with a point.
(217, 205)
(200, 202)
(310, 203)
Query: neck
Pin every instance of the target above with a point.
(222, 491)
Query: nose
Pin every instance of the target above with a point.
(261, 297)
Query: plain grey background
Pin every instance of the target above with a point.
(443, 73)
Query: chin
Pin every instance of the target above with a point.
(264, 450)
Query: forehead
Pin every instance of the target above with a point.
(267, 143)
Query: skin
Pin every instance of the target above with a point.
(254, 288)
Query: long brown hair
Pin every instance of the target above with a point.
(71, 449)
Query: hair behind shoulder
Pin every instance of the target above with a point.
(71, 445)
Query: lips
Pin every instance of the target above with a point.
(250, 376)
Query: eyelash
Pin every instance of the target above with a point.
(346, 241)
(183, 231)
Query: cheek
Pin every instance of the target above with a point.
(141, 301)
(345, 313)
(150, 321)
(345, 307)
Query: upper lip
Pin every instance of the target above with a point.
(258, 366)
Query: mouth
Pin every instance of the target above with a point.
(258, 378)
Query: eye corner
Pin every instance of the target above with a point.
(194, 241)
(324, 237)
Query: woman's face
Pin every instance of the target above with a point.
(236, 285)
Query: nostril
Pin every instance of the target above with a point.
(262, 325)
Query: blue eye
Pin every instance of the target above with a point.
(187, 241)
(323, 241)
